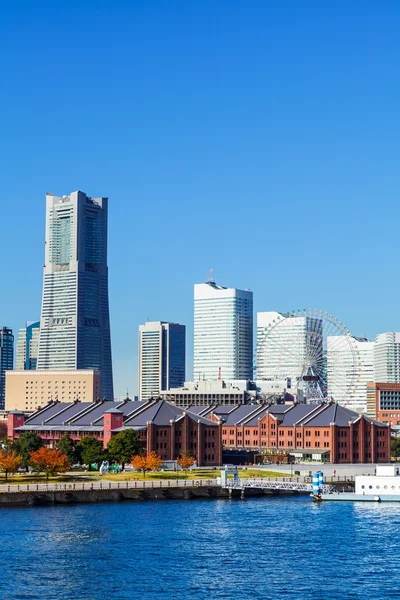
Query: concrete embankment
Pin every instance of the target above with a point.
(71, 495)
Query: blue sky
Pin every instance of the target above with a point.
(260, 139)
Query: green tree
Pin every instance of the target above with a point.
(123, 446)
(89, 450)
(26, 443)
(66, 446)
(395, 447)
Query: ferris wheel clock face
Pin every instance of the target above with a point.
(312, 348)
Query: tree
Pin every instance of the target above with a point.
(123, 446)
(139, 462)
(154, 461)
(49, 461)
(395, 447)
(26, 443)
(66, 446)
(89, 450)
(10, 462)
(186, 460)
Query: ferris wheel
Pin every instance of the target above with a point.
(313, 349)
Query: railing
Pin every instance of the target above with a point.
(267, 484)
(107, 485)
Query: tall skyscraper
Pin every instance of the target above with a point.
(161, 357)
(223, 332)
(387, 358)
(352, 363)
(6, 360)
(75, 323)
(27, 347)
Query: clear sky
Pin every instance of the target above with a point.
(260, 139)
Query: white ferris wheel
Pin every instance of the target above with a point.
(312, 348)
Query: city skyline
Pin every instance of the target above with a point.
(272, 160)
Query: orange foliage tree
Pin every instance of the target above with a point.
(48, 461)
(143, 462)
(10, 462)
(186, 460)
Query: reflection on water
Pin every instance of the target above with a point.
(264, 548)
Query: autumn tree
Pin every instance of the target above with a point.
(49, 461)
(10, 462)
(26, 443)
(139, 462)
(143, 462)
(186, 460)
(89, 450)
(123, 446)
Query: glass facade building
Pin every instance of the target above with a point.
(223, 333)
(6, 360)
(75, 322)
(27, 347)
(162, 349)
(387, 358)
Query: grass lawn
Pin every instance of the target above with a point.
(195, 474)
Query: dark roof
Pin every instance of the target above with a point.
(295, 413)
(161, 412)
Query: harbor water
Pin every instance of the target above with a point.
(262, 548)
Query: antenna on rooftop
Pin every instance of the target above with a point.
(210, 276)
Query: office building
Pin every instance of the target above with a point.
(223, 333)
(384, 403)
(75, 323)
(387, 357)
(27, 347)
(161, 357)
(29, 390)
(290, 349)
(350, 367)
(6, 360)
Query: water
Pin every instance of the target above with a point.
(264, 548)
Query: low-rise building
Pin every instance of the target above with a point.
(322, 432)
(163, 427)
(29, 390)
(384, 403)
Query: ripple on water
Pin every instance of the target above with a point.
(264, 548)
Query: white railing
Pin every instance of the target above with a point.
(276, 485)
(107, 485)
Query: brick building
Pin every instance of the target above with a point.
(327, 432)
(162, 427)
(383, 400)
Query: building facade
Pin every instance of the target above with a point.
(6, 360)
(387, 357)
(162, 356)
(207, 393)
(29, 390)
(27, 347)
(323, 432)
(384, 403)
(162, 427)
(75, 322)
(223, 332)
(352, 363)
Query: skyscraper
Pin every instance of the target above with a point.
(6, 360)
(353, 364)
(161, 357)
(75, 323)
(223, 332)
(27, 347)
(387, 358)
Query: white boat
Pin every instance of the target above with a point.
(384, 486)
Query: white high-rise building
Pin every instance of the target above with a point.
(74, 323)
(350, 366)
(387, 358)
(161, 358)
(290, 348)
(223, 332)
